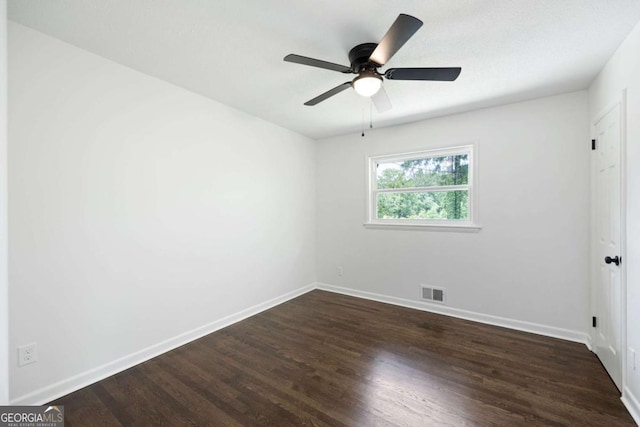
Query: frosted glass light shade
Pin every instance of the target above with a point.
(367, 84)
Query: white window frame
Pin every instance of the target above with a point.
(470, 224)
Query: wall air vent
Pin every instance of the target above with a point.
(432, 294)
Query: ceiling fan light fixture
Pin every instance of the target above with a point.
(368, 83)
(366, 58)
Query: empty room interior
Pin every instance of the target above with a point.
(321, 213)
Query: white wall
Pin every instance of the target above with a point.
(623, 72)
(139, 211)
(4, 289)
(529, 263)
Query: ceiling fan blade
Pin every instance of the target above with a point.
(297, 59)
(381, 101)
(401, 30)
(328, 94)
(437, 74)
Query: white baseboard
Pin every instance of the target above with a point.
(69, 385)
(519, 325)
(632, 404)
(589, 342)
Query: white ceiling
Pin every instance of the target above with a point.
(232, 50)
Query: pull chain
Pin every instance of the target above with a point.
(371, 115)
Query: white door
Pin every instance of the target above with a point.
(608, 280)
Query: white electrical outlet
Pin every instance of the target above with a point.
(632, 358)
(27, 354)
(340, 270)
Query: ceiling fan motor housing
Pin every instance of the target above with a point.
(359, 57)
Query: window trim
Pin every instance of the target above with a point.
(468, 225)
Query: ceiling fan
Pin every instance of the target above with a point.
(365, 60)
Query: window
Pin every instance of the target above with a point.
(428, 188)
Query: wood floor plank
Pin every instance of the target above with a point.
(325, 359)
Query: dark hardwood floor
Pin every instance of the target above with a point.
(331, 360)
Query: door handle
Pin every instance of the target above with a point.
(615, 260)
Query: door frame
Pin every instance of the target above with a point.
(620, 100)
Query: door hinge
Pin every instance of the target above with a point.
(593, 321)
(593, 144)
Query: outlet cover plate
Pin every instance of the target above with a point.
(27, 354)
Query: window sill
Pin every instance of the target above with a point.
(425, 227)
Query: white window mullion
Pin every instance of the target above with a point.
(460, 187)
